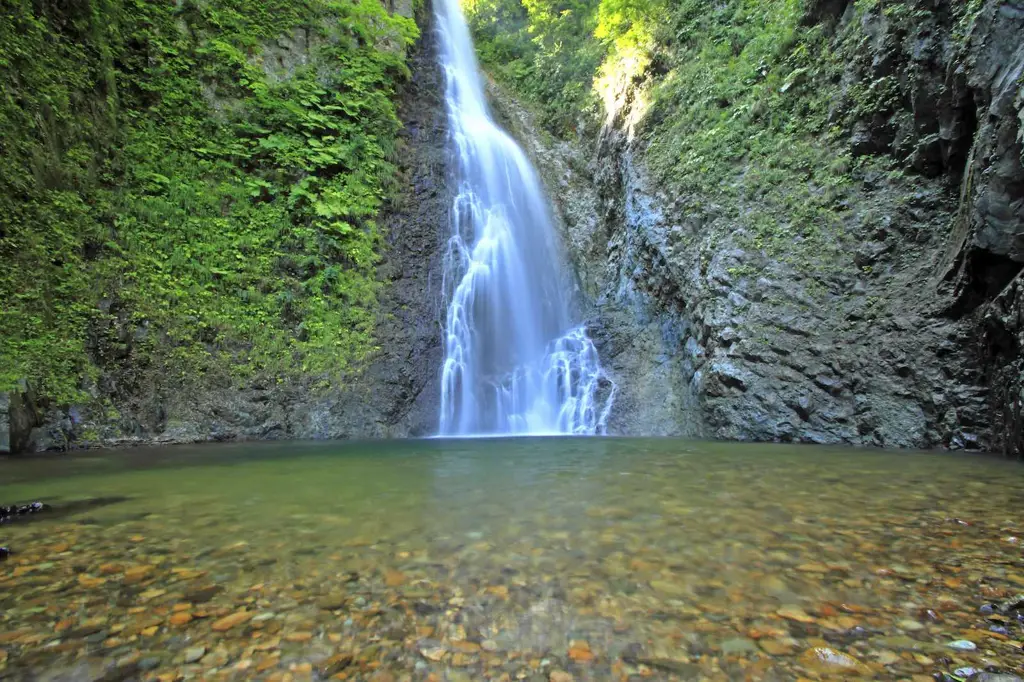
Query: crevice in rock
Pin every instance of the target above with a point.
(961, 140)
(824, 11)
(985, 275)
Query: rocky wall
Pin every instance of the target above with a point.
(891, 346)
(395, 395)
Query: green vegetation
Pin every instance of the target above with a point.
(194, 184)
(542, 48)
(733, 99)
(739, 103)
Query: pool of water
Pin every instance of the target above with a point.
(536, 559)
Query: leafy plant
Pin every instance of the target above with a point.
(177, 186)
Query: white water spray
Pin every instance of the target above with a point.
(515, 362)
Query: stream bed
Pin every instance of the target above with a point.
(513, 559)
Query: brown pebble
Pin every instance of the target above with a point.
(181, 618)
(298, 637)
(228, 622)
(137, 574)
(394, 578)
(581, 653)
(201, 595)
(560, 676)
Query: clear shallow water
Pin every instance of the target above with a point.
(512, 559)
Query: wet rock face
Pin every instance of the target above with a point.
(619, 274)
(909, 340)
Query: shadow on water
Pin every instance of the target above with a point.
(53, 508)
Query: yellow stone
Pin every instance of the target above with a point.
(795, 613)
(776, 647)
(137, 574)
(89, 581)
(181, 618)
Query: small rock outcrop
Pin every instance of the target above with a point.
(18, 417)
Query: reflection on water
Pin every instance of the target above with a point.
(512, 559)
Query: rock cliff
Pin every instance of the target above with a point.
(906, 335)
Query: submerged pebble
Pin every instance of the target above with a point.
(590, 576)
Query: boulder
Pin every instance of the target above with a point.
(18, 416)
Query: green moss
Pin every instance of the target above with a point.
(158, 180)
(740, 102)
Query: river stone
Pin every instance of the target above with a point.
(194, 654)
(669, 588)
(910, 625)
(827, 660)
(904, 643)
(738, 646)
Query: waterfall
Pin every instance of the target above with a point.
(515, 361)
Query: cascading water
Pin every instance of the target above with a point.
(514, 361)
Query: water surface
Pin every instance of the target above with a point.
(511, 559)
